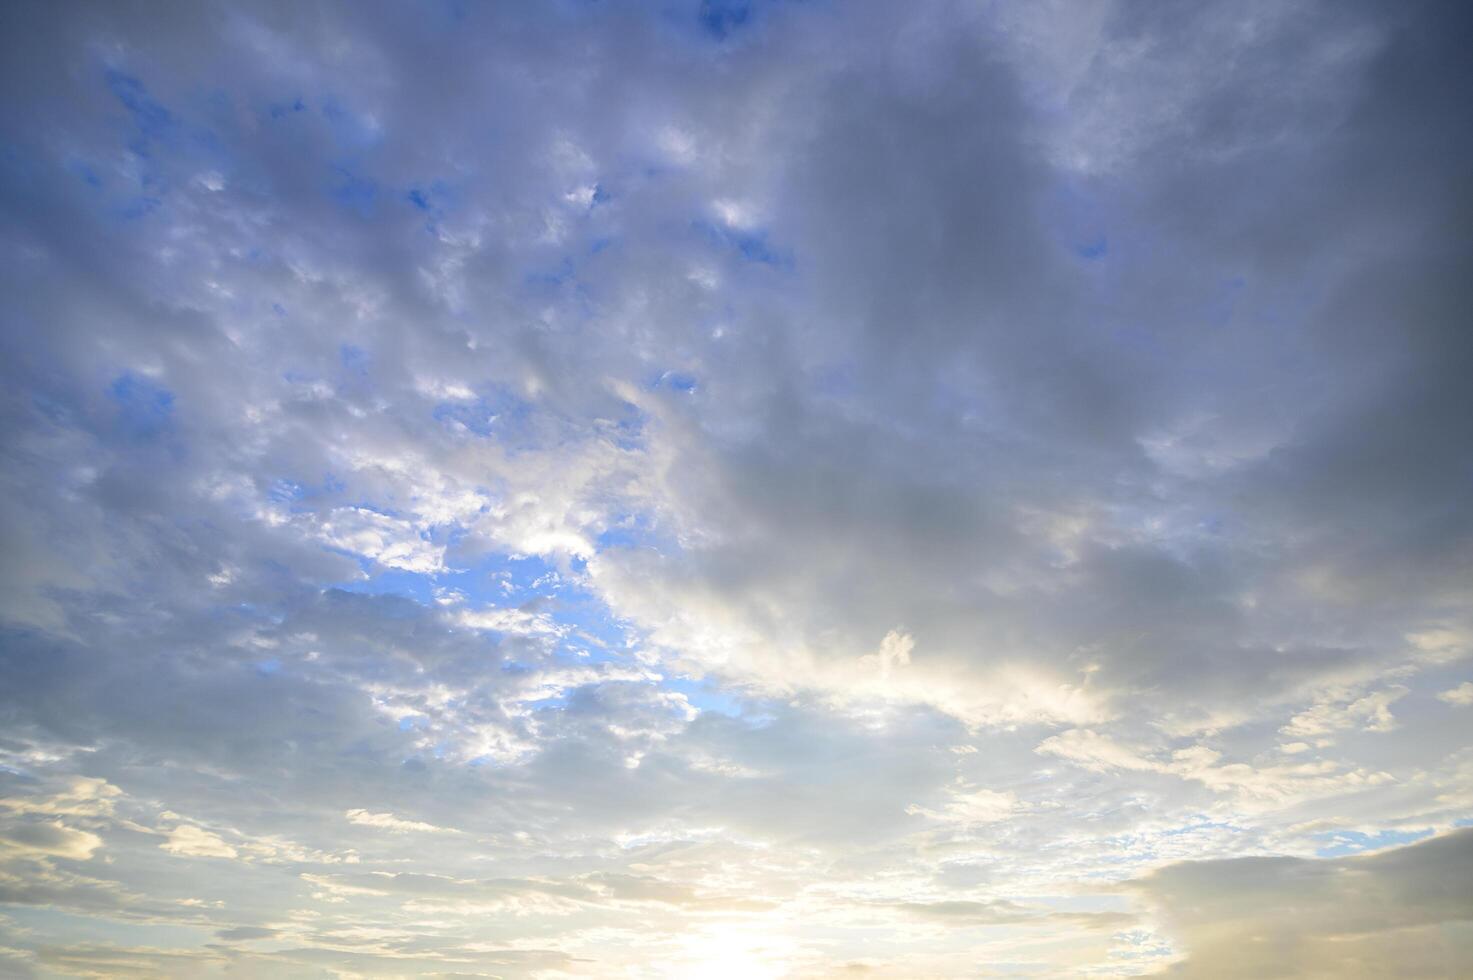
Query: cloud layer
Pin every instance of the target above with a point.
(779, 488)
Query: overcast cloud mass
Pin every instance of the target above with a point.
(736, 489)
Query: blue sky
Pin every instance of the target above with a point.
(747, 489)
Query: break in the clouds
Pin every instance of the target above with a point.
(743, 488)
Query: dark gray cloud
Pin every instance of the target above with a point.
(1404, 913)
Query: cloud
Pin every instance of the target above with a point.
(387, 821)
(1094, 751)
(393, 543)
(1372, 712)
(1403, 912)
(81, 796)
(187, 840)
(247, 933)
(969, 805)
(1461, 696)
(795, 487)
(54, 839)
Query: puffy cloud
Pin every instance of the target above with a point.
(1462, 695)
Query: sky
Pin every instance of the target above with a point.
(736, 489)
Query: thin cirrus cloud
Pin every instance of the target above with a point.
(738, 488)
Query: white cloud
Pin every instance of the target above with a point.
(1094, 751)
(1372, 712)
(1462, 695)
(971, 805)
(187, 840)
(387, 821)
(390, 541)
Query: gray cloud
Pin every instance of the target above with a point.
(1402, 913)
(742, 485)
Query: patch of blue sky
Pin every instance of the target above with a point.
(753, 245)
(754, 248)
(386, 605)
(499, 580)
(706, 696)
(303, 494)
(350, 130)
(590, 633)
(720, 19)
(596, 634)
(435, 198)
(144, 409)
(563, 282)
(285, 491)
(503, 579)
(355, 359)
(1340, 843)
(380, 580)
(628, 432)
(496, 410)
(633, 531)
(280, 110)
(163, 143)
(151, 119)
(1094, 249)
(156, 125)
(84, 171)
(509, 581)
(353, 192)
(376, 508)
(681, 381)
